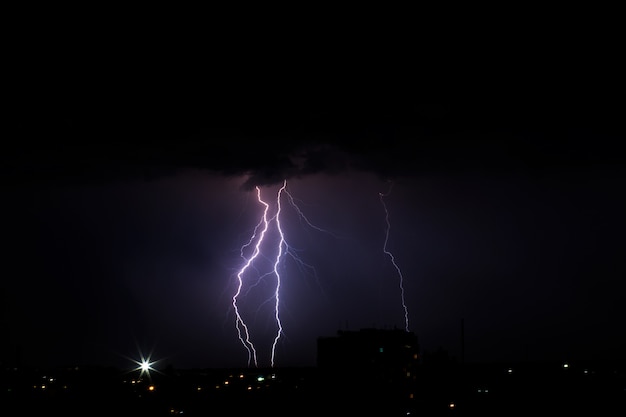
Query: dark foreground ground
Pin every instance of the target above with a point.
(471, 389)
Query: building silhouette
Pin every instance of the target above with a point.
(370, 364)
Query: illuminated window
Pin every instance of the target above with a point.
(380, 350)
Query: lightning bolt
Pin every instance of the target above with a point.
(393, 260)
(282, 249)
(276, 263)
(240, 325)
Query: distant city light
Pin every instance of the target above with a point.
(144, 365)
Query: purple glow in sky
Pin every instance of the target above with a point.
(130, 200)
(529, 263)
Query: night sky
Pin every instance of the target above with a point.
(129, 171)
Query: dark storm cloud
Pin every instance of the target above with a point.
(109, 112)
(57, 150)
(269, 162)
(408, 101)
(122, 114)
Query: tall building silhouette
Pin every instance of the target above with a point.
(370, 363)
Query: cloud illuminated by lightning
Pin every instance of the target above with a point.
(393, 260)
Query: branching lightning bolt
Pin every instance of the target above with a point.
(282, 249)
(393, 260)
(239, 323)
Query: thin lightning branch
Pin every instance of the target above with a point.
(240, 324)
(261, 277)
(393, 261)
(303, 217)
(289, 250)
